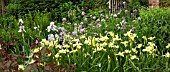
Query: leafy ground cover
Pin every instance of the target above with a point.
(94, 41)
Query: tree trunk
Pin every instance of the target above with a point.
(3, 6)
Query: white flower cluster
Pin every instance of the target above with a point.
(21, 27)
(51, 27)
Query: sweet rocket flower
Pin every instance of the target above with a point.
(74, 33)
(21, 29)
(89, 24)
(107, 17)
(83, 13)
(94, 17)
(80, 26)
(123, 28)
(85, 19)
(21, 21)
(64, 19)
(59, 28)
(75, 24)
(36, 41)
(98, 25)
(93, 27)
(139, 18)
(133, 29)
(135, 10)
(122, 22)
(81, 23)
(82, 30)
(61, 33)
(98, 20)
(91, 15)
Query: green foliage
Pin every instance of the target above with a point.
(104, 47)
(164, 3)
(138, 3)
(57, 9)
(155, 22)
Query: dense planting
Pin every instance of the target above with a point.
(128, 40)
